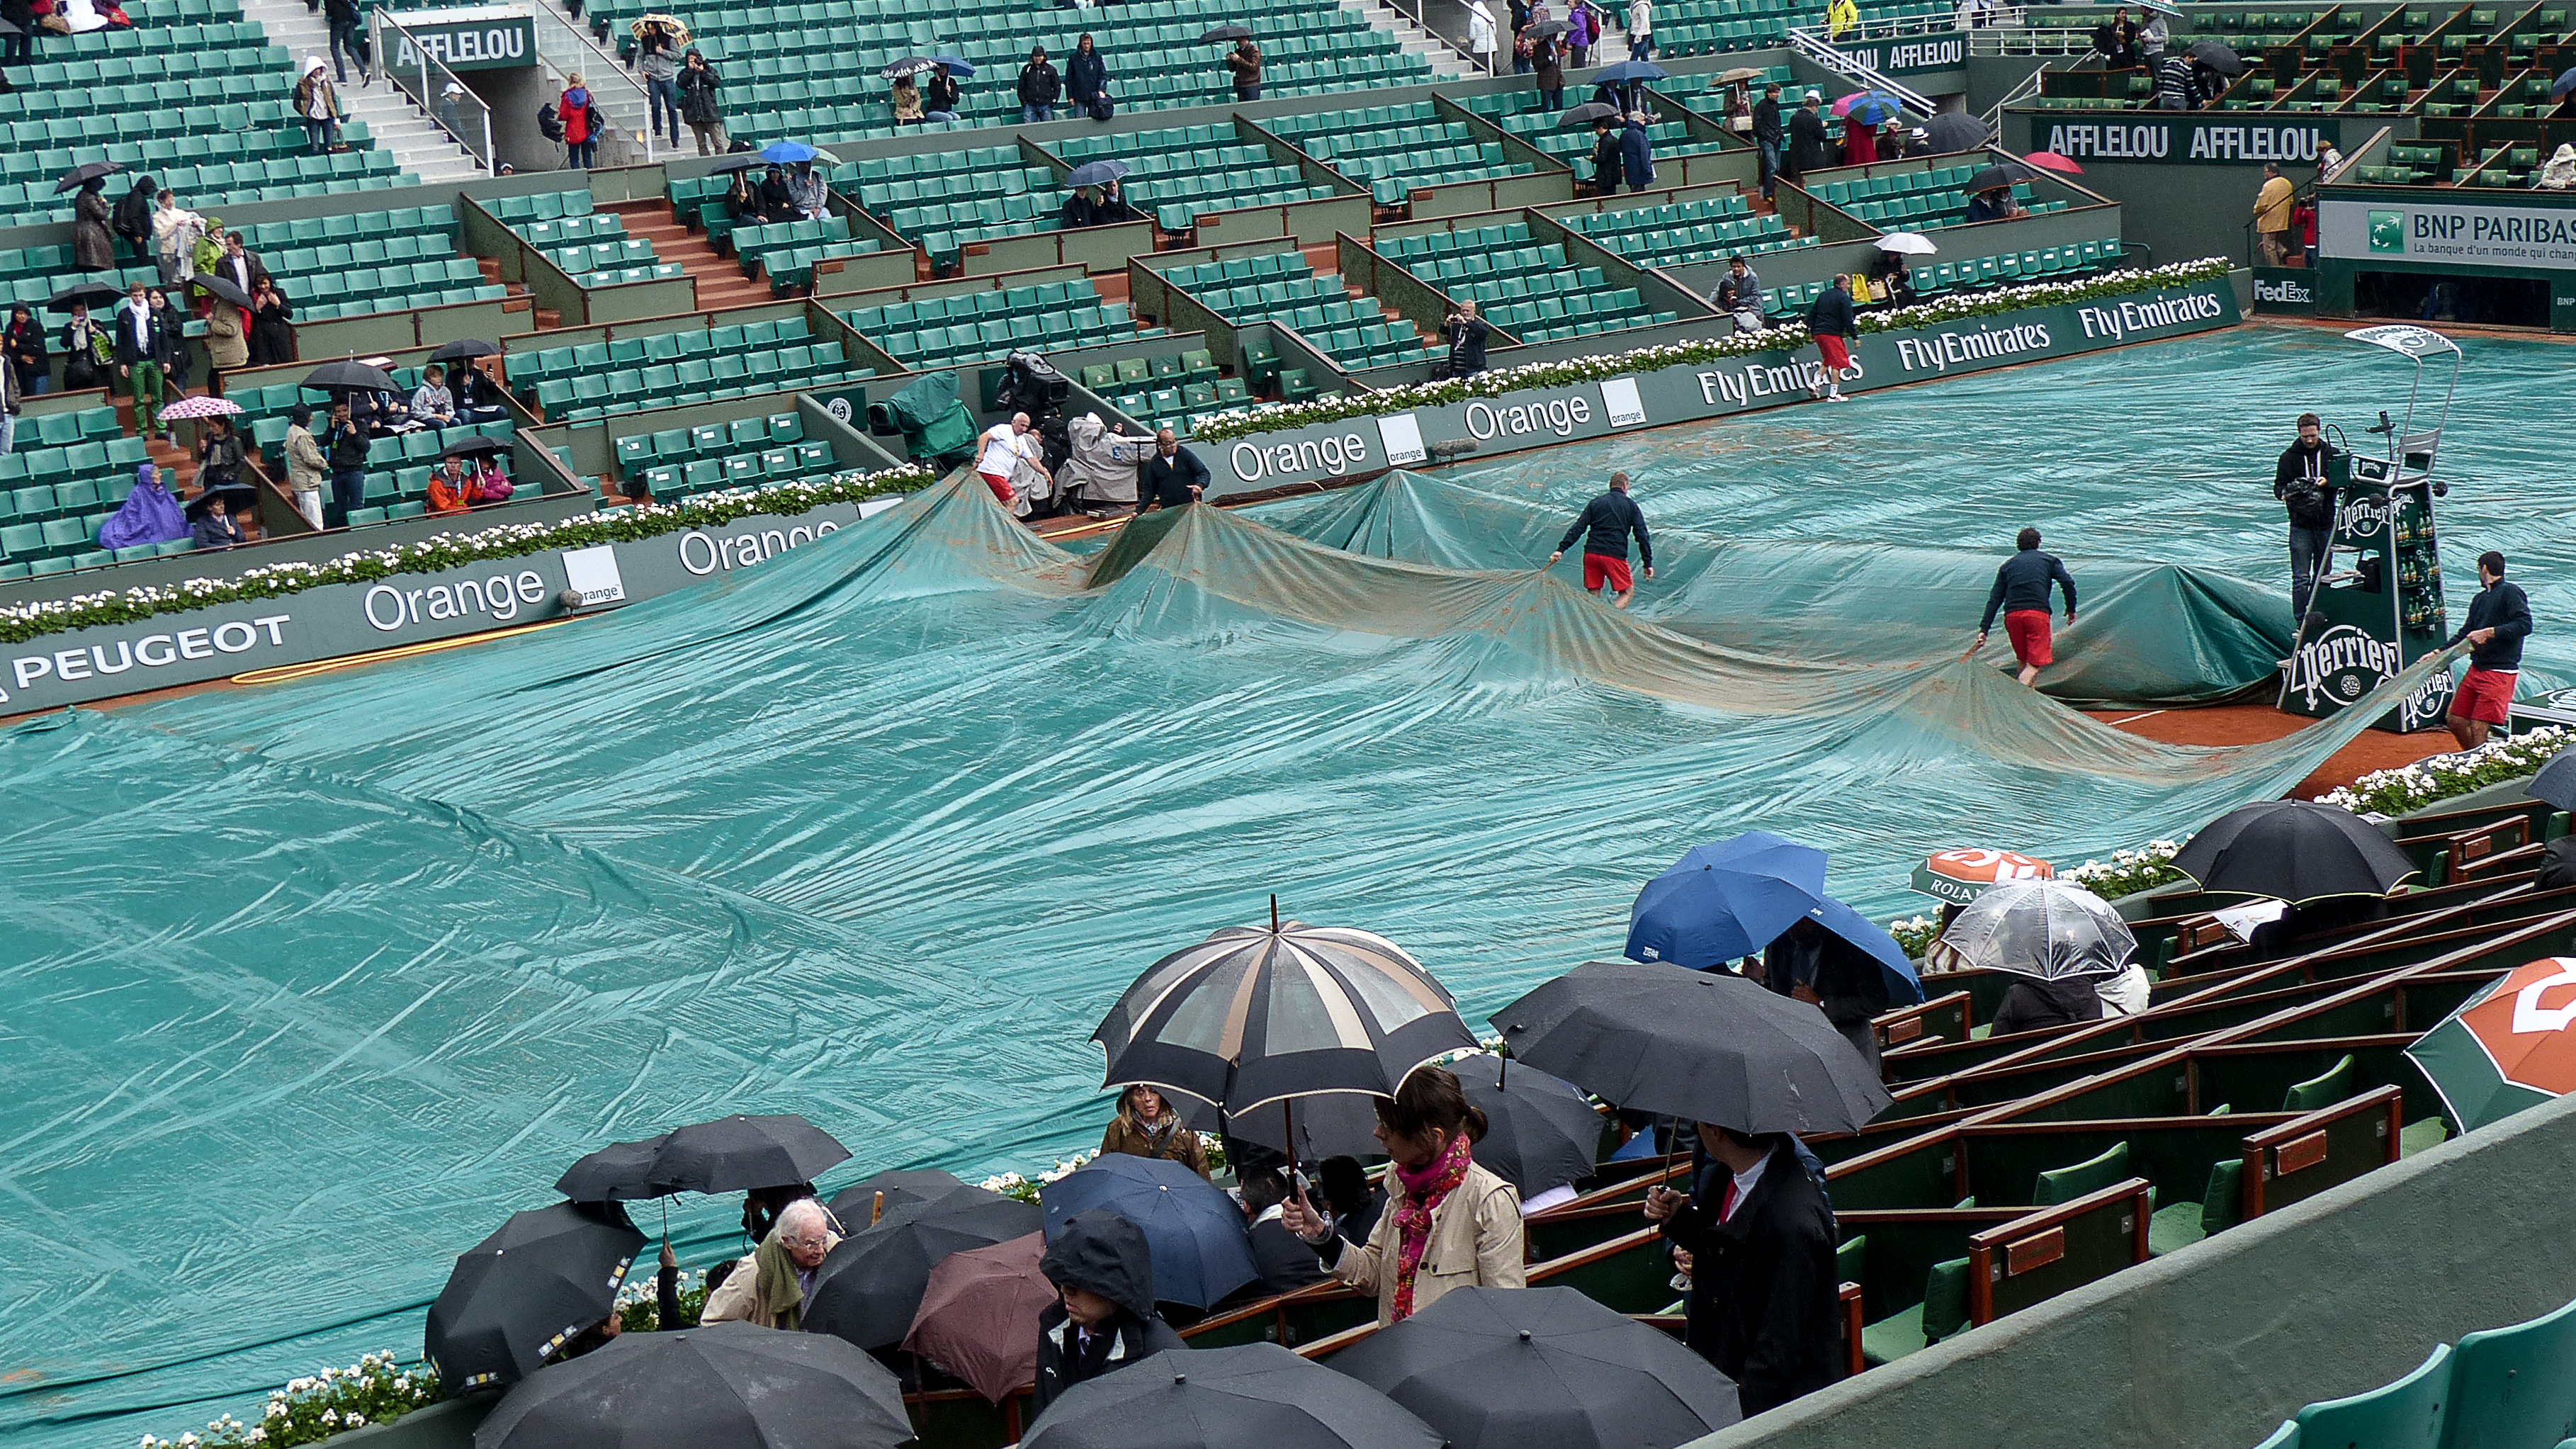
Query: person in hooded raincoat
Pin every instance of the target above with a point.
(150, 514)
(1101, 470)
(1103, 1318)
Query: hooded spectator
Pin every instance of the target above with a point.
(317, 105)
(93, 245)
(1040, 88)
(149, 515)
(227, 340)
(580, 125)
(1086, 79)
(807, 193)
(272, 330)
(699, 106)
(1146, 1126)
(1103, 1318)
(1448, 1223)
(1637, 153)
(89, 353)
(133, 219)
(2558, 173)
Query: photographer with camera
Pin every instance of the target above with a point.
(1466, 333)
(2299, 481)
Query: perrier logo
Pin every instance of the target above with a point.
(2388, 231)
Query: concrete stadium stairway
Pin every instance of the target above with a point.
(1446, 63)
(392, 120)
(720, 279)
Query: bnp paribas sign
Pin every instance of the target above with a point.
(2385, 229)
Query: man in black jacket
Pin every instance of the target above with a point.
(1286, 1262)
(1104, 1318)
(1170, 478)
(2021, 591)
(1770, 135)
(1466, 333)
(1608, 520)
(1763, 1286)
(2499, 620)
(2299, 481)
(1607, 168)
(1739, 294)
(145, 351)
(1039, 86)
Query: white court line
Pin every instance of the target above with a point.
(2150, 714)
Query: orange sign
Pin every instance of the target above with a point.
(1988, 867)
(2528, 1025)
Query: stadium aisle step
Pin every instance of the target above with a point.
(392, 120)
(1444, 58)
(720, 279)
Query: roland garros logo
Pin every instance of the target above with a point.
(2340, 665)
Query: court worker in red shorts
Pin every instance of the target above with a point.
(1604, 528)
(2021, 592)
(2499, 620)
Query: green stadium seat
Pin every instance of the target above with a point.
(2407, 1414)
(2221, 1206)
(2323, 1090)
(2065, 1184)
(2515, 1385)
(1942, 1313)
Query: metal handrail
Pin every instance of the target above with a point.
(1825, 53)
(613, 93)
(2024, 89)
(425, 63)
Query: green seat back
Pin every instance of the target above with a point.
(1851, 1258)
(2222, 1203)
(2408, 1414)
(2516, 1385)
(1945, 1300)
(2323, 1090)
(2066, 1184)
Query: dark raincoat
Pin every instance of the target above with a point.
(1105, 1254)
(1763, 1299)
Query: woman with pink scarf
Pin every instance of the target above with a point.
(1448, 1222)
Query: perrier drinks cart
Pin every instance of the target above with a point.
(2378, 601)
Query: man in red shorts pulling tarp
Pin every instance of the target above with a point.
(2499, 619)
(2021, 591)
(1609, 519)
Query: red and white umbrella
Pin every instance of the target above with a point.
(201, 407)
(2051, 161)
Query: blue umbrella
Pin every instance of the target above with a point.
(1095, 173)
(1903, 988)
(781, 153)
(1630, 70)
(1873, 109)
(1726, 900)
(955, 66)
(1195, 1232)
(2565, 84)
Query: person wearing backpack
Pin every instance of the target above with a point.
(346, 45)
(2299, 481)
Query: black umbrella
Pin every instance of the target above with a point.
(1991, 179)
(1703, 1046)
(1226, 32)
(220, 289)
(2217, 56)
(479, 448)
(8, 29)
(1587, 113)
(85, 173)
(1954, 131)
(520, 1294)
(2294, 850)
(350, 373)
(855, 1207)
(1540, 1132)
(909, 65)
(1541, 1368)
(1337, 1124)
(621, 1170)
(1255, 1015)
(2556, 782)
(1252, 1396)
(464, 349)
(739, 161)
(94, 293)
(739, 1153)
(870, 1287)
(1550, 29)
(726, 1383)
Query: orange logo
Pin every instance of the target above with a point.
(2528, 1025)
(1987, 866)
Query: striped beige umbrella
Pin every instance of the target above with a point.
(1256, 1015)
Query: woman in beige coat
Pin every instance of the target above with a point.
(1448, 1222)
(770, 1288)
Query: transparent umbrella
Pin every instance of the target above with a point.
(2049, 929)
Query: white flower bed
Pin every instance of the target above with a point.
(2412, 787)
